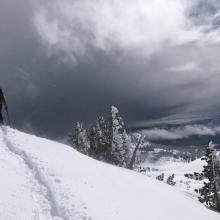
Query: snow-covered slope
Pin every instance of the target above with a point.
(179, 168)
(45, 180)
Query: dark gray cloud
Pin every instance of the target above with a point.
(152, 60)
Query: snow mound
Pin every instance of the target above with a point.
(45, 180)
(194, 166)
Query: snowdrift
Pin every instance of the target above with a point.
(45, 180)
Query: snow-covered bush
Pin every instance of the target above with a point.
(194, 176)
(170, 180)
(160, 177)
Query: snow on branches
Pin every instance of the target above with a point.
(107, 140)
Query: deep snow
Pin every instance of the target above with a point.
(44, 180)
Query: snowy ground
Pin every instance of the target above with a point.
(45, 180)
(179, 168)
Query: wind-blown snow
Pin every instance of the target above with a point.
(44, 180)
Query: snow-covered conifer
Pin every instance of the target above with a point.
(93, 140)
(127, 146)
(118, 150)
(170, 180)
(109, 141)
(209, 193)
(79, 140)
(103, 142)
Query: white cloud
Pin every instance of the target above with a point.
(181, 132)
(142, 25)
(185, 68)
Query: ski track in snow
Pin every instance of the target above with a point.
(35, 187)
(38, 176)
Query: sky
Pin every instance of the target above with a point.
(70, 60)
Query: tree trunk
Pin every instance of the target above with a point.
(131, 164)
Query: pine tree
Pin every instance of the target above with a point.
(127, 146)
(102, 137)
(118, 150)
(79, 140)
(107, 140)
(93, 141)
(170, 180)
(216, 167)
(208, 193)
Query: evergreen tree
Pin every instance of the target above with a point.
(107, 140)
(170, 180)
(127, 146)
(216, 169)
(93, 141)
(102, 139)
(117, 147)
(208, 193)
(79, 140)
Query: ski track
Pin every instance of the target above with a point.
(35, 187)
(38, 176)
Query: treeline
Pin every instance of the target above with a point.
(107, 141)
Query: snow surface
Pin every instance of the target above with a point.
(45, 180)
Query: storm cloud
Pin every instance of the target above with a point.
(67, 61)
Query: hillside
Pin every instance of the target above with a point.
(45, 180)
